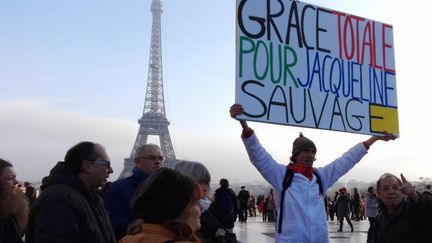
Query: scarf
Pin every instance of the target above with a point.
(302, 169)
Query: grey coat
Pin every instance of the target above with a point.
(371, 206)
(343, 208)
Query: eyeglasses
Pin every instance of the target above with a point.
(105, 163)
(151, 157)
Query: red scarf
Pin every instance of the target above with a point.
(302, 169)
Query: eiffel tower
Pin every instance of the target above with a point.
(153, 120)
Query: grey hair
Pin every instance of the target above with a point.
(141, 149)
(195, 170)
(384, 176)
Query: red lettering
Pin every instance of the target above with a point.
(385, 46)
(357, 39)
(367, 41)
(351, 54)
(339, 15)
(375, 64)
(353, 43)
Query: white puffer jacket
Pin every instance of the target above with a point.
(304, 217)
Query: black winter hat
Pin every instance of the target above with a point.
(163, 196)
(301, 144)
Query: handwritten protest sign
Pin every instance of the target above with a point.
(303, 65)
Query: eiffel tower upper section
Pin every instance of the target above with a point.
(153, 120)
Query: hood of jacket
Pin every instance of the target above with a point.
(61, 174)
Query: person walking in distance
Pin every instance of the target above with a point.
(344, 209)
(335, 206)
(356, 204)
(243, 197)
(252, 206)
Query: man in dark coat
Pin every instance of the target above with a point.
(118, 196)
(243, 198)
(356, 205)
(69, 208)
(405, 214)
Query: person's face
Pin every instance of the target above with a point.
(150, 160)
(191, 216)
(306, 157)
(8, 180)
(100, 167)
(390, 192)
(205, 188)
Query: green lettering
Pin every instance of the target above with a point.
(258, 57)
(244, 51)
(288, 65)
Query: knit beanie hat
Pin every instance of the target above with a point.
(163, 196)
(301, 144)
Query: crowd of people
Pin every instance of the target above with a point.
(300, 192)
(352, 206)
(157, 204)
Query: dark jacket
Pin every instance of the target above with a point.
(343, 206)
(117, 201)
(209, 226)
(67, 212)
(409, 224)
(243, 198)
(9, 231)
(225, 207)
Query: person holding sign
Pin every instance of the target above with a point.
(300, 188)
(405, 214)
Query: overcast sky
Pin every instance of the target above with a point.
(76, 70)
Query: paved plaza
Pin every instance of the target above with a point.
(256, 231)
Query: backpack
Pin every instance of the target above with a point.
(289, 174)
(224, 202)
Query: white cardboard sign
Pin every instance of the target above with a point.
(299, 64)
